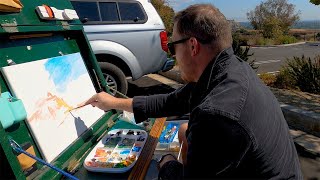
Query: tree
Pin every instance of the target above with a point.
(272, 28)
(273, 17)
(166, 13)
(316, 2)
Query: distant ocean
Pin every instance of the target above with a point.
(309, 24)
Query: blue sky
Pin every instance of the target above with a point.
(237, 9)
(63, 69)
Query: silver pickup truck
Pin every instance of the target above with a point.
(128, 38)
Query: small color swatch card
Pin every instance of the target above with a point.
(117, 152)
(169, 132)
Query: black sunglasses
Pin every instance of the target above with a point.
(171, 45)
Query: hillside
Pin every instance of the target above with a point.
(310, 24)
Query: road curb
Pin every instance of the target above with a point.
(316, 43)
(306, 121)
(173, 74)
(305, 143)
(281, 45)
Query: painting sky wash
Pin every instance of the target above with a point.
(49, 88)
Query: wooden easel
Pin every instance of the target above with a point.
(141, 167)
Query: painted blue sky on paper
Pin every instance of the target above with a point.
(64, 69)
(237, 9)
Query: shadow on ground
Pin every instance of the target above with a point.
(147, 86)
(303, 100)
(309, 163)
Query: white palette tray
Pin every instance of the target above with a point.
(117, 152)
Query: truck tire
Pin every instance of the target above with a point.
(114, 78)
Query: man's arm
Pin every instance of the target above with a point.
(162, 105)
(106, 102)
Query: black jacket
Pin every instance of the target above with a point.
(236, 127)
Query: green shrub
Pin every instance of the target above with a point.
(252, 40)
(241, 31)
(284, 80)
(263, 41)
(260, 41)
(318, 35)
(282, 39)
(297, 35)
(268, 79)
(303, 73)
(285, 39)
(242, 52)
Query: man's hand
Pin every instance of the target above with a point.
(105, 101)
(102, 100)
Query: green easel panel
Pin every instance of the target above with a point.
(22, 54)
(20, 22)
(69, 159)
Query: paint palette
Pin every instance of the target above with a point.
(117, 152)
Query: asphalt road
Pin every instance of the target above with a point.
(270, 59)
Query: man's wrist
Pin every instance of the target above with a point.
(123, 104)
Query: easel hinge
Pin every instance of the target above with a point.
(10, 26)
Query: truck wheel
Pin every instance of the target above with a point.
(114, 77)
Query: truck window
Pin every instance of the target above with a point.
(94, 12)
(109, 11)
(87, 10)
(131, 11)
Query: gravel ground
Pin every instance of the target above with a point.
(302, 100)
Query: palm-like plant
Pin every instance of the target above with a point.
(242, 52)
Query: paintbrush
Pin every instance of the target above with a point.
(77, 107)
(180, 151)
(81, 105)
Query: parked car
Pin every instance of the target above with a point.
(128, 38)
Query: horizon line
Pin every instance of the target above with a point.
(298, 21)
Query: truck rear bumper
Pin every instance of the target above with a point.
(168, 65)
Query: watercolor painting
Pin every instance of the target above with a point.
(49, 89)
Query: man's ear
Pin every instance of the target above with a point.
(194, 46)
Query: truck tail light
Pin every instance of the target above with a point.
(164, 40)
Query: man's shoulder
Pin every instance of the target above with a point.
(229, 95)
